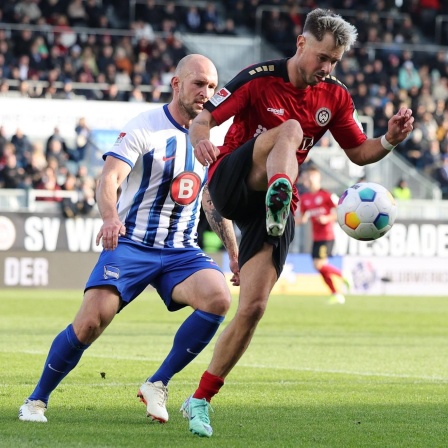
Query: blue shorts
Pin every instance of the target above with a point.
(132, 267)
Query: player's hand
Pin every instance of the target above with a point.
(206, 152)
(235, 280)
(109, 233)
(400, 126)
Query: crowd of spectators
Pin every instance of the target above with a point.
(131, 55)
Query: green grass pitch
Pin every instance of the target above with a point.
(370, 373)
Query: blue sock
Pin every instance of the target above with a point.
(191, 338)
(64, 354)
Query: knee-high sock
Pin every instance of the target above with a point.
(64, 354)
(191, 338)
(327, 271)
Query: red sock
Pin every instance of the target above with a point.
(208, 386)
(327, 271)
(278, 176)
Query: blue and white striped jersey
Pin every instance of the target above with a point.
(161, 198)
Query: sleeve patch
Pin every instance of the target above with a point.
(120, 138)
(220, 96)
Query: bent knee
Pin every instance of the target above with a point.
(88, 329)
(252, 312)
(292, 129)
(219, 303)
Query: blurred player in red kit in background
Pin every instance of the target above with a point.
(319, 206)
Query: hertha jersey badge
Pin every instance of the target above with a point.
(323, 116)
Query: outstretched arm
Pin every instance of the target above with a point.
(374, 149)
(225, 230)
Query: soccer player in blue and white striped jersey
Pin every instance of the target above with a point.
(149, 196)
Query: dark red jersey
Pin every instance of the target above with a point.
(261, 97)
(318, 204)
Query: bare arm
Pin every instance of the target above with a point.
(113, 174)
(224, 229)
(372, 150)
(204, 150)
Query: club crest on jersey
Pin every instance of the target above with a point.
(323, 116)
(120, 138)
(185, 188)
(111, 272)
(220, 96)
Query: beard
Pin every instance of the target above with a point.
(189, 109)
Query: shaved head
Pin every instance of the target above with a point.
(194, 63)
(194, 82)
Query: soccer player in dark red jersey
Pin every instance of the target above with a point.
(319, 206)
(280, 109)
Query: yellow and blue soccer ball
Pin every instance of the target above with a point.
(366, 211)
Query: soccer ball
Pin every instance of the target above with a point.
(366, 211)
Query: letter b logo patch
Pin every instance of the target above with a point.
(185, 188)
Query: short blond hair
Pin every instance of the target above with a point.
(322, 21)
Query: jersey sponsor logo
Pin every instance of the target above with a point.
(220, 96)
(307, 143)
(120, 138)
(323, 116)
(276, 111)
(165, 159)
(185, 188)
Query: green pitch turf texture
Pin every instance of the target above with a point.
(370, 373)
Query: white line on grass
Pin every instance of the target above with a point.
(261, 366)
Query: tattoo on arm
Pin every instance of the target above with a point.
(221, 226)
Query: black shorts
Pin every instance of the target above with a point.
(322, 249)
(234, 200)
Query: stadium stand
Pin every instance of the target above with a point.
(110, 50)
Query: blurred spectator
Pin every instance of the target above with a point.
(55, 150)
(82, 139)
(37, 163)
(428, 13)
(413, 147)
(29, 9)
(113, 93)
(22, 43)
(94, 13)
(57, 136)
(105, 58)
(67, 92)
(23, 147)
(441, 175)
(408, 76)
(401, 190)
(84, 199)
(431, 158)
(151, 13)
(142, 30)
(76, 13)
(228, 29)
(12, 174)
(193, 20)
(48, 182)
(3, 140)
(136, 96)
